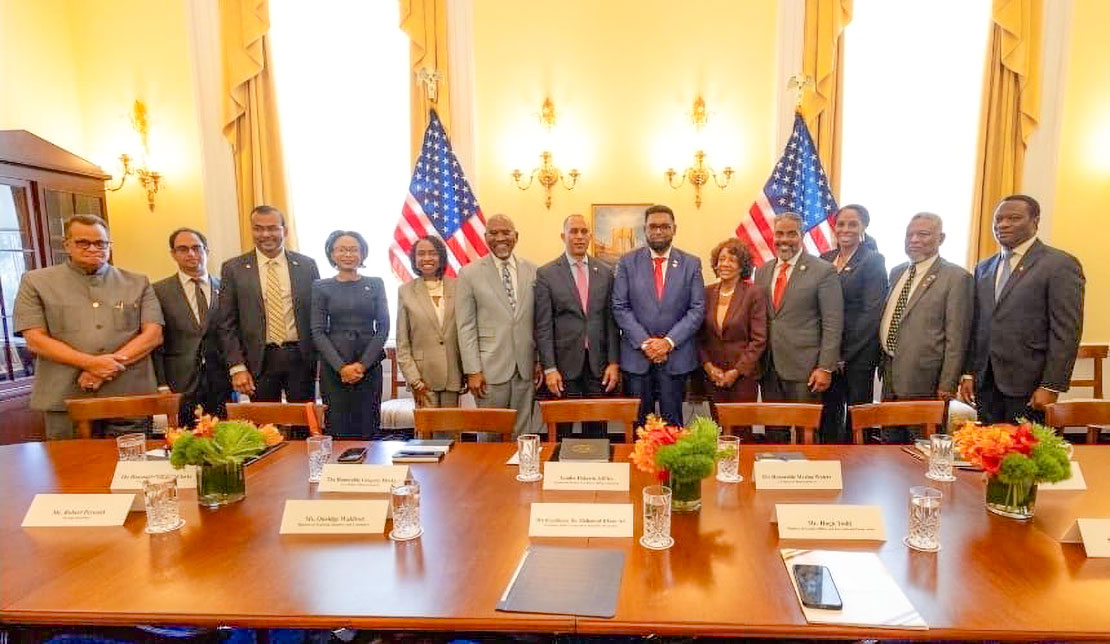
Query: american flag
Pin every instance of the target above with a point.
(440, 203)
(797, 184)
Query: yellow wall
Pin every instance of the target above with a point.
(1083, 170)
(623, 75)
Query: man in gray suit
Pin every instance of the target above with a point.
(1028, 320)
(805, 319)
(926, 321)
(190, 361)
(494, 310)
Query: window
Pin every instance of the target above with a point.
(342, 77)
(911, 116)
(17, 256)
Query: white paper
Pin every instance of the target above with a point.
(129, 475)
(830, 521)
(77, 510)
(1074, 482)
(1096, 536)
(361, 479)
(580, 520)
(334, 517)
(610, 477)
(775, 474)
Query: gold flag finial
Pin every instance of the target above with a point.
(430, 78)
(798, 84)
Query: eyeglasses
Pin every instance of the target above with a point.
(98, 244)
(181, 250)
(347, 250)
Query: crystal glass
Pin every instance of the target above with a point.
(319, 453)
(405, 502)
(528, 456)
(940, 458)
(131, 447)
(924, 528)
(728, 465)
(657, 518)
(162, 511)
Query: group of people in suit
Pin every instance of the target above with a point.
(800, 328)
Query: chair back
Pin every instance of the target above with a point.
(457, 420)
(83, 411)
(927, 413)
(1079, 413)
(802, 418)
(308, 415)
(396, 380)
(624, 410)
(1097, 353)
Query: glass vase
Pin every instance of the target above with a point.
(1012, 500)
(221, 484)
(685, 494)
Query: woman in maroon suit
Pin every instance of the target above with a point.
(734, 332)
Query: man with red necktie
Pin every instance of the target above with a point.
(659, 304)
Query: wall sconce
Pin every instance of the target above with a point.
(547, 173)
(699, 174)
(149, 179)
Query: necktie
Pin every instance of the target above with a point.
(582, 281)
(899, 310)
(658, 270)
(275, 305)
(202, 302)
(1003, 272)
(507, 280)
(780, 285)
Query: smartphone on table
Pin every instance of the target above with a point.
(353, 455)
(816, 586)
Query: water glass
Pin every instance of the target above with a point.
(132, 447)
(728, 465)
(528, 457)
(319, 453)
(924, 528)
(404, 501)
(657, 518)
(940, 458)
(162, 511)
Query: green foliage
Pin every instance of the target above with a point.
(1047, 462)
(232, 441)
(692, 456)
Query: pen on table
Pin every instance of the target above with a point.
(914, 454)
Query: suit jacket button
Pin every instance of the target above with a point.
(441, 341)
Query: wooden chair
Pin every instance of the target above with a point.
(1098, 353)
(457, 420)
(927, 413)
(587, 409)
(83, 411)
(308, 415)
(1079, 413)
(396, 380)
(803, 417)
(397, 413)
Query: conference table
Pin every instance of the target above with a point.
(994, 578)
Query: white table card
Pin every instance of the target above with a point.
(775, 474)
(1094, 534)
(580, 520)
(334, 517)
(365, 479)
(612, 477)
(129, 475)
(77, 510)
(1074, 482)
(819, 521)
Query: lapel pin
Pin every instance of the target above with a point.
(802, 268)
(674, 263)
(847, 269)
(295, 263)
(248, 265)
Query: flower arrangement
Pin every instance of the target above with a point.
(219, 442)
(1015, 453)
(680, 456)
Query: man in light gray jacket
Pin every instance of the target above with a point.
(494, 312)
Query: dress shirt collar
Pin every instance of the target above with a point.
(1021, 249)
(666, 255)
(585, 260)
(793, 261)
(187, 280)
(263, 260)
(924, 265)
(498, 262)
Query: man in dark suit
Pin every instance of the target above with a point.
(659, 304)
(1028, 320)
(190, 361)
(805, 318)
(265, 311)
(576, 335)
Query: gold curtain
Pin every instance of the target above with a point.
(1008, 114)
(425, 23)
(823, 61)
(250, 112)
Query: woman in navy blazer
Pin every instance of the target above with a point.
(863, 279)
(734, 333)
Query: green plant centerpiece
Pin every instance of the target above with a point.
(219, 449)
(680, 457)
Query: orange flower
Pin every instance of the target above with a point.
(985, 447)
(271, 435)
(653, 435)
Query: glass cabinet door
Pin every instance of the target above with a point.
(17, 256)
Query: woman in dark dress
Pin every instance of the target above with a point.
(350, 323)
(863, 279)
(734, 332)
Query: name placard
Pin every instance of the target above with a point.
(580, 520)
(775, 474)
(366, 479)
(611, 477)
(77, 510)
(1074, 482)
(129, 475)
(823, 521)
(334, 517)
(1096, 536)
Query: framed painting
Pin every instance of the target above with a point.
(618, 228)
